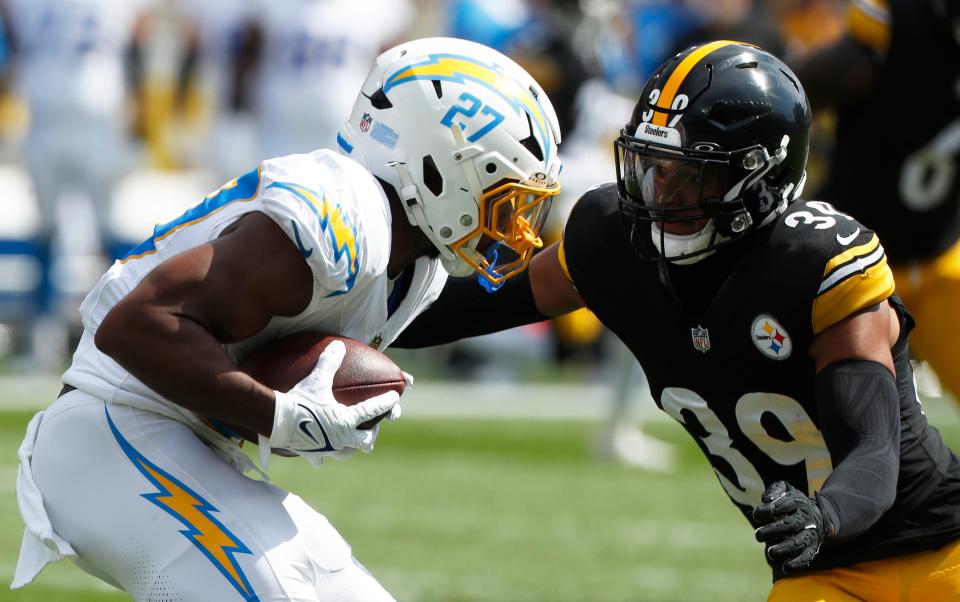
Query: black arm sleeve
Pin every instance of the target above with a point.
(860, 420)
(464, 309)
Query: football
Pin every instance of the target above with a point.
(364, 373)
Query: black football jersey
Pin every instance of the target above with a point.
(725, 351)
(896, 163)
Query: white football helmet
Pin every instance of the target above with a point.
(469, 141)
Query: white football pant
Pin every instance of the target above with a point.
(148, 507)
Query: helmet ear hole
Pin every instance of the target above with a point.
(380, 101)
(530, 142)
(431, 176)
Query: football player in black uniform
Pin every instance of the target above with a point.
(767, 325)
(896, 163)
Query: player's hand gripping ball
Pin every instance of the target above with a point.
(363, 373)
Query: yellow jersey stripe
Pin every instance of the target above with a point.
(179, 227)
(868, 22)
(137, 256)
(562, 257)
(676, 78)
(857, 291)
(860, 250)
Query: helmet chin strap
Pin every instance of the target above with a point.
(674, 245)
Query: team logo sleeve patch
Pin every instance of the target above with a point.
(852, 280)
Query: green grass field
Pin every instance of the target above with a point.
(483, 510)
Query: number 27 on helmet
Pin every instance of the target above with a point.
(468, 140)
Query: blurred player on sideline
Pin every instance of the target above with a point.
(448, 165)
(767, 326)
(77, 64)
(901, 175)
(299, 56)
(212, 31)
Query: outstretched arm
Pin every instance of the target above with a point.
(464, 309)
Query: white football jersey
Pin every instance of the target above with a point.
(339, 218)
(316, 54)
(72, 55)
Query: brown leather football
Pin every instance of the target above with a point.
(364, 373)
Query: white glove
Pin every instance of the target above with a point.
(309, 421)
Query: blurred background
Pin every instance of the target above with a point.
(530, 465)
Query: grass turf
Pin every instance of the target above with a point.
(482, 510)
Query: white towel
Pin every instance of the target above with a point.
(41, 545)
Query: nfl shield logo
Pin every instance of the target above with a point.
(365, 122)
(701, 338)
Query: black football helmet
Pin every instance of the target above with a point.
(716, 145)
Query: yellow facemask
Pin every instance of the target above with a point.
(511, 217)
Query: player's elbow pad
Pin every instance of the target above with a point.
(859, 409)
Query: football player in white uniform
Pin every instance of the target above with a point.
(70, 66)
(448, 164)
(211, 32)
(301, 56)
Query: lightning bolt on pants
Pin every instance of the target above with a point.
(150, 509)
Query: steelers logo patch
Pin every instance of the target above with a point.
(771, 338)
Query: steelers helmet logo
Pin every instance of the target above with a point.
(771, 338)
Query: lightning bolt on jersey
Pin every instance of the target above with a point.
(896, 163)
(727, 357)
(336, 214)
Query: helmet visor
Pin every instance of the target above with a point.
(670, 187)
(511, 218)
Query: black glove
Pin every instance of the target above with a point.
(793, 526)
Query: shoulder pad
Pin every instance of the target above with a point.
(854, 274)
(318, 204)
(593, 234)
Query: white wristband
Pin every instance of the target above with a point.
(284, 413)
